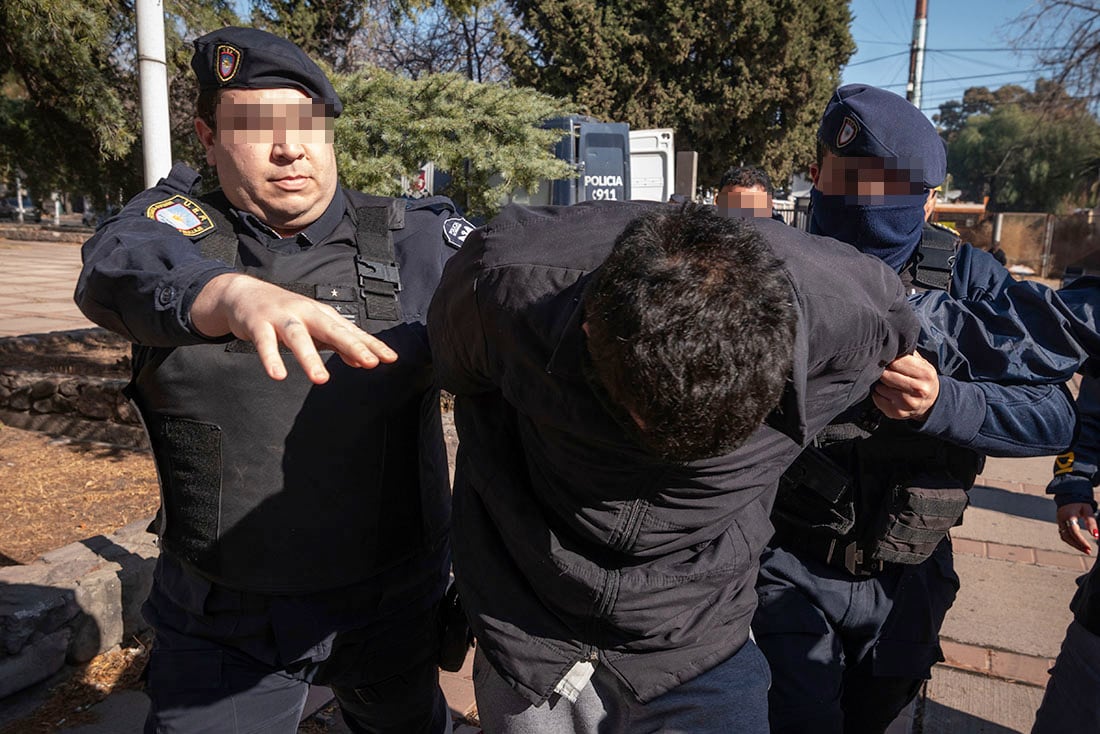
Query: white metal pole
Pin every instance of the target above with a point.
(156, 137)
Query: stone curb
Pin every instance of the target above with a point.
(1030, 670)
(73, 603)
(1022, 554)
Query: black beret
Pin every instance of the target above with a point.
(862, 120)
(247, 58)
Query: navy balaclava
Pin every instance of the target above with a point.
(864, 121)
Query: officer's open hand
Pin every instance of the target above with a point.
(1070, 532)
(268, 315)
(907, 389)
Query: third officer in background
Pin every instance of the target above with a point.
(856, 582)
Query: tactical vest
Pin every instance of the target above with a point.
(869, 491)
(286, 487)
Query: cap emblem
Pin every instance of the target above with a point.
(228, 62)
(848, 132)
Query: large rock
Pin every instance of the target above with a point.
(99, 628)
(35, 662)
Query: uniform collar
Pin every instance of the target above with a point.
(314, 234)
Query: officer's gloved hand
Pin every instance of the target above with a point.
(907, 389)
(268, 315)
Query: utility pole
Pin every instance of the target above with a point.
(916, 53)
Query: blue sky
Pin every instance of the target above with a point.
(967, 45)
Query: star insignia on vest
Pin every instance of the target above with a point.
(226, 62)
(182, 214)
(455, 230)
(1063, 463)
(849, 129)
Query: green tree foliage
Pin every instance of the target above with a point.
(70, 115)
(739, 80)
(1028, 151)
(324, 29)
(486, 136)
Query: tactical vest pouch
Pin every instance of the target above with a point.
(917, 519)
(815, 496)
(928, 481)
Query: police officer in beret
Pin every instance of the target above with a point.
(854, 586)
(305, 512)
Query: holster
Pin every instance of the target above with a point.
(455, 634)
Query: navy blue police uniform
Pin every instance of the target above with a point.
(855, 584)
(304, 528)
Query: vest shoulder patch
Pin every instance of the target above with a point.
(455, 230)
(182, 214)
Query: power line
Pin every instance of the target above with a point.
(878, 58)
(965, 78)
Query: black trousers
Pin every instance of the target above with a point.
(848, 653)
(229, 661)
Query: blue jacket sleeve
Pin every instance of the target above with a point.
(994, 328)
(1076, 471)
(1000, 420)
(141, 276)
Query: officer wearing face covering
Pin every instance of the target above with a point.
(854, 585)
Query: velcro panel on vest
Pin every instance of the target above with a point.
(376, 263)
(190, 458)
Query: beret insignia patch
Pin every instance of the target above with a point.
(455, 230)
(227, 62)
(182, 214)
(848, 132)
(1063, 464)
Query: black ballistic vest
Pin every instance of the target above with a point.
(289, 487)
(869, 491)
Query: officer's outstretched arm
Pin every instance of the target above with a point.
(268, 315)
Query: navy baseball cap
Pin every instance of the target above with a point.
(861, 120)
(247, 58)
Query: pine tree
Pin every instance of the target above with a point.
(738, 80)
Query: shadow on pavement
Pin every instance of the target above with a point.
(940, 719)
(1012, 503)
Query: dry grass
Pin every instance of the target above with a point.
(55, 491)
(68, 704)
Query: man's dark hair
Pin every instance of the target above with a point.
(691, 330)
(822, 148)
(748, 177)
(206, 107)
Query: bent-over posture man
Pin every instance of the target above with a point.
(631, 381)
(304, 513)
(855, 583)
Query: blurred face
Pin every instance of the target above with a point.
(274, 155)
(868, 180)
(747, 201)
